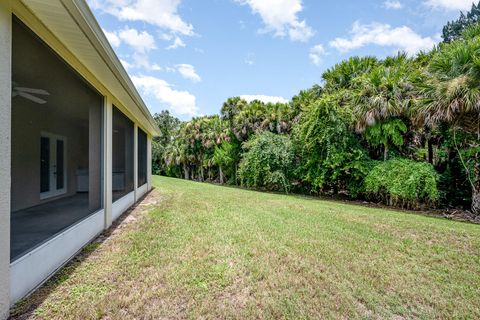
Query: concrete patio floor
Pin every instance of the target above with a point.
(34, 226)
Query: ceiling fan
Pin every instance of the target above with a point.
(29, 93)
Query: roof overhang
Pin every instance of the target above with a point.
(74, 25)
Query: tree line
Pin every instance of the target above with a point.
(402, 130)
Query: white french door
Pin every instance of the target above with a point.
(53, 177)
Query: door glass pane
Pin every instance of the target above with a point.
(60, 166)
(44, 164)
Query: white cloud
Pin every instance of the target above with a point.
(141, 60)
(112, 38)
(401, 38)
(188, 72)
(264, 98)
(161, 13)
(281, 18)
(393, 4)
(140, 41)
(451, 5)
(127, 65)
(166, 36)
(170, 69)
(177, 43)
(179, 102)
(316, 54)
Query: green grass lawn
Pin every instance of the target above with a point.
(205, 251)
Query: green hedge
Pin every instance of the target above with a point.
(267, 162)
(403, 183)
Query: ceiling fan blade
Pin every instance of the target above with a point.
(32, 98)
(32, 90)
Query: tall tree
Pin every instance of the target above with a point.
(342, 75)
(168, 125)
(452, 96)
(385, 92)
(386, 133)
(330, 156)
(454, 29)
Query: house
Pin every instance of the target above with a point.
(75, 139)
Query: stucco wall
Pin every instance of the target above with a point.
(5, 100)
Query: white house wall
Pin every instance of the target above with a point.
(5, 123)
(31, 270)
(122, 205)
(141, 191)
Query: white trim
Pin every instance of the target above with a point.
(107, 158)
(122, 205)
(34, 268)
(149, 162)
(5, 151)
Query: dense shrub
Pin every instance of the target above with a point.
(403, 183)
(332, 159)
(267, 162)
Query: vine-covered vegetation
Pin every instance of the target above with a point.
(403, 130)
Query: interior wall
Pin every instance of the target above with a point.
(28, 122)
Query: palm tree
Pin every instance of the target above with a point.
(452, 95)
(385, 92)
(232, 107)
(213, 132)
(249, 120)
(342, 75)
(223, 159)
(386, 133)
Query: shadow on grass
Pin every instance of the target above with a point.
(25, 308)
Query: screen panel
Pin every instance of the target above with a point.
(122, 155)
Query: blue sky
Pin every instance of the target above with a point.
(189, 56)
